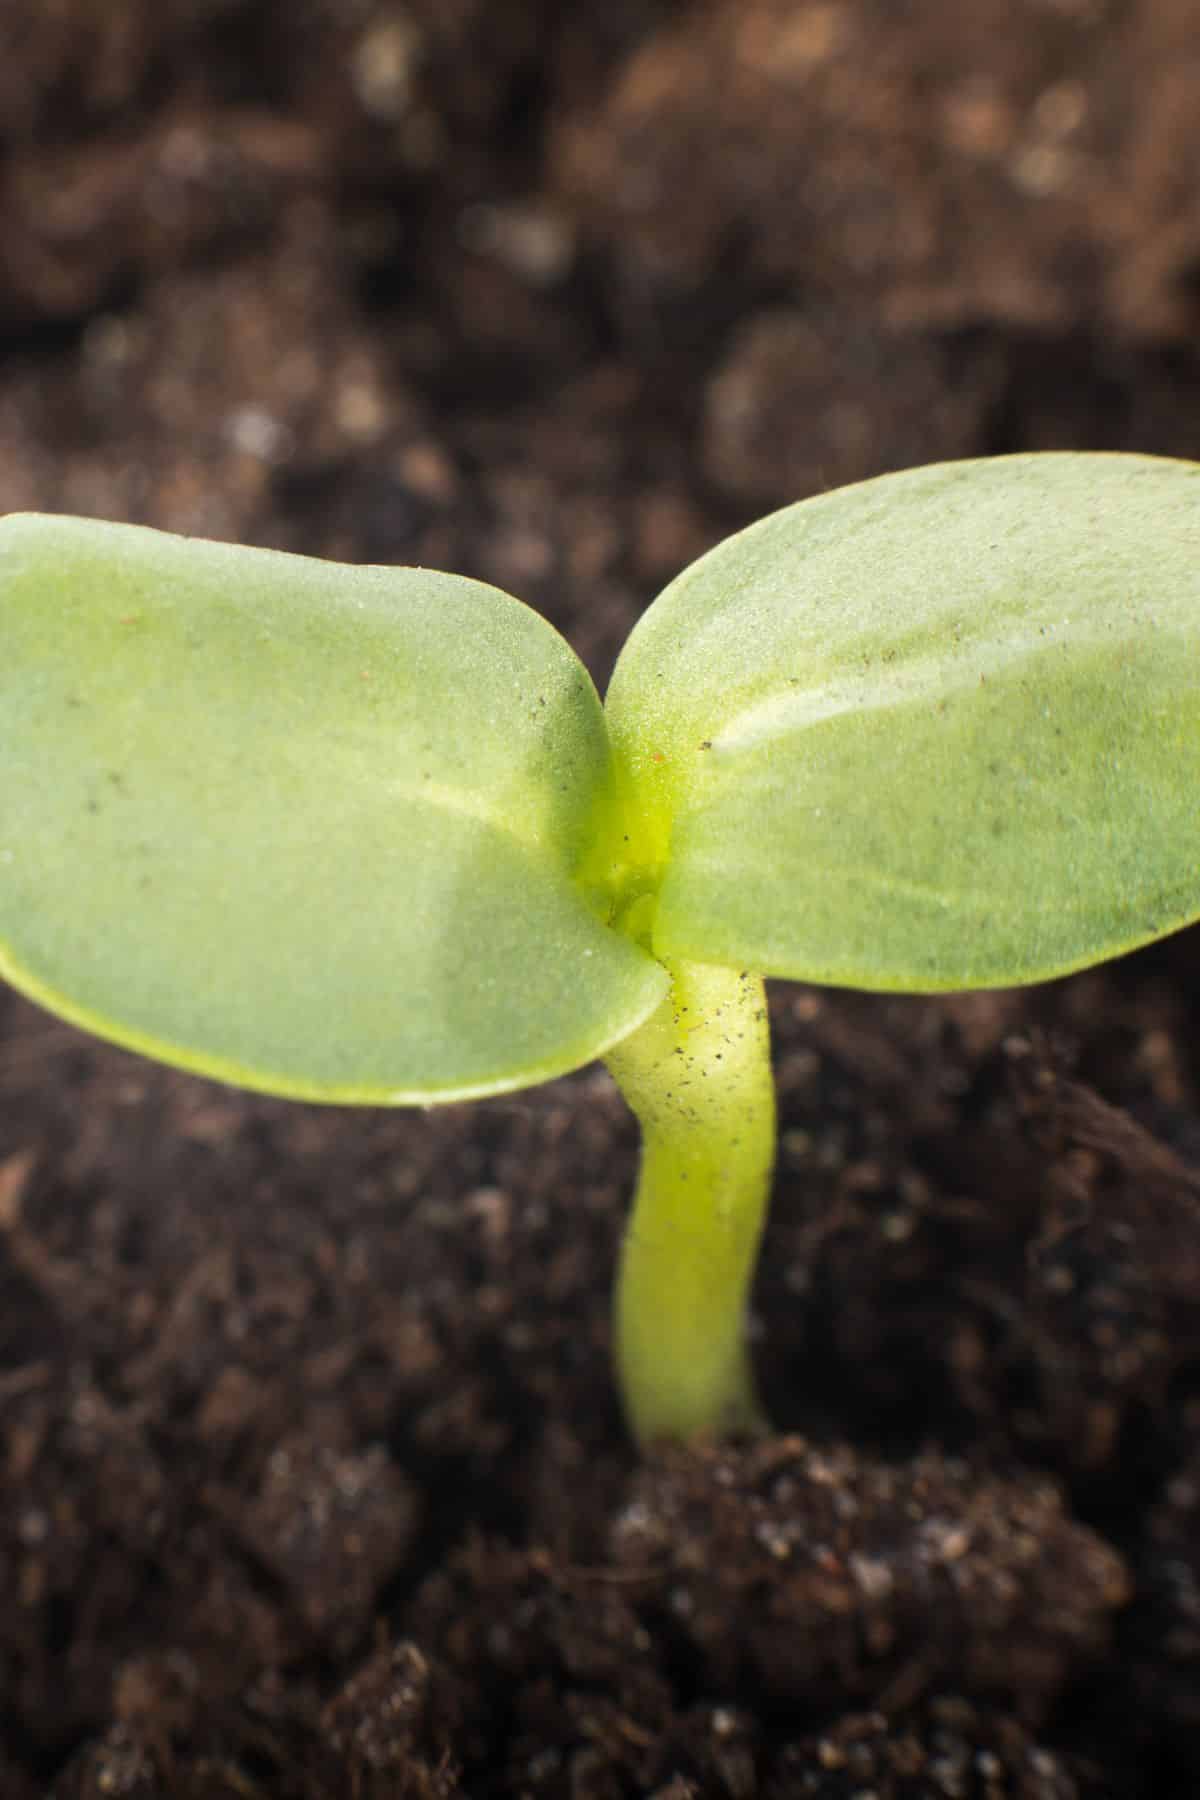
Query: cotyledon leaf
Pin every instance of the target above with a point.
(303, 827)
(937, 730)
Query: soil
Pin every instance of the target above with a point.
(312, 1480)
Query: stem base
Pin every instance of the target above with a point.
(698, 1076)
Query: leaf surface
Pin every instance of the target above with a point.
(938, 730)
(306, 828)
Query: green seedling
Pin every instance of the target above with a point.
(367, 835)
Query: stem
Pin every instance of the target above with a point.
(698, 1076)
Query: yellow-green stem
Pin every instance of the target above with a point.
(698, 1076)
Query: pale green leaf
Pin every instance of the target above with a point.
(307, 828)
(938, 730)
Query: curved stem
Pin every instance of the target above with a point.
(698, 1076)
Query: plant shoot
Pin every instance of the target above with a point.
(368, 836)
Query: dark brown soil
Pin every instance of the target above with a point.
(312, 1483)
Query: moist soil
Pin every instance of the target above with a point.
(312, 1478)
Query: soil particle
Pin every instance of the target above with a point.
(331, 1529)
(1164, 1637)
(805, 401)
(951, 1751)
(990, 164)
(807, 1572)
(382, 1712)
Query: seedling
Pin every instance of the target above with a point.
(367, 835)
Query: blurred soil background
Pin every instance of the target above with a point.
(312, 1483)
